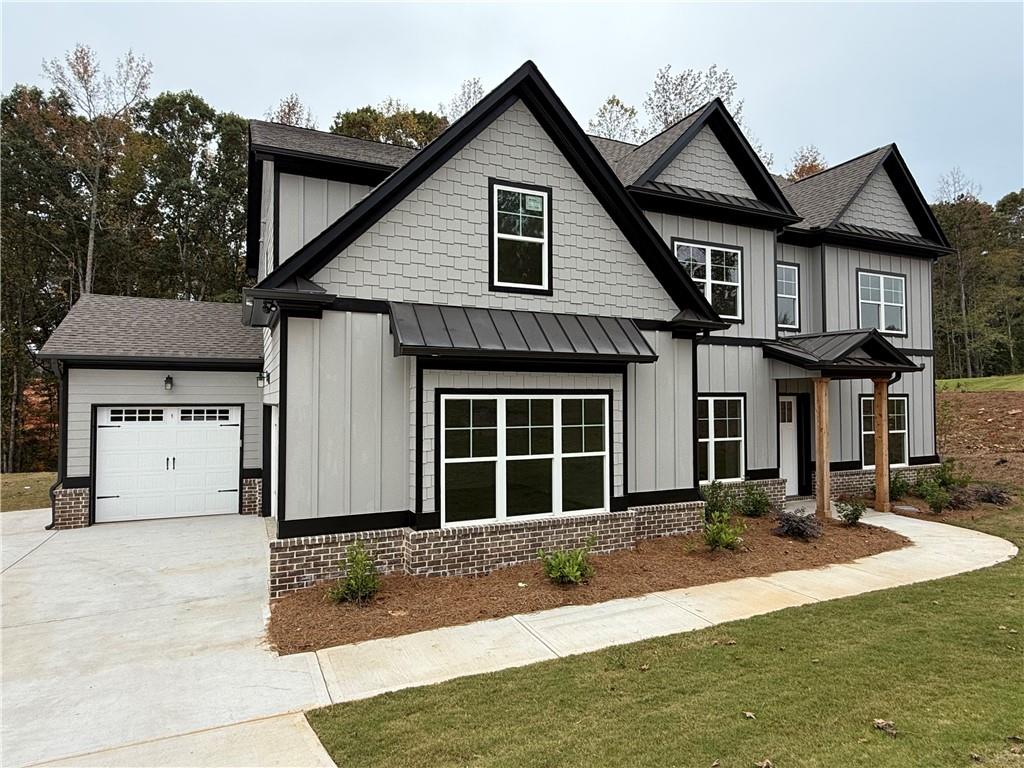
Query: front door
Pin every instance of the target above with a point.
(788, 449)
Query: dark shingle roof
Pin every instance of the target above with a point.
(820, 198)
(632, 166)
(612, 150)
(321, 143)
(129, 327)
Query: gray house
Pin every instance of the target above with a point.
(520, 336)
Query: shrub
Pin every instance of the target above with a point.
(992, 494)
(899, 486)
(568, 566)
(755, 502)
(947, 477)
(720, 533)
(960, 498)
(935, 496)
(797, 525)
(360, 582)
(718, 500)
(851, 511)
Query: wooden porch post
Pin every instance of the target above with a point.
(824, 480)
(881, 444)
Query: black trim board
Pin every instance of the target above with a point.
(282, 421)
(268, 414)
(492, 237)
(648, 498)
(76, 482)
(369, 521)
(161, 363)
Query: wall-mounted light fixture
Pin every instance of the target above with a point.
(262, 379)
(169, 383)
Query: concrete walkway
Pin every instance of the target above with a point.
(366, 669)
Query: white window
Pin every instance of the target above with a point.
(136, 414)
(523, 455)
(716, 270)
(898, 405)
(520, 249)
(883, 303)
(787, 296)
(204, 414)
(720, 438)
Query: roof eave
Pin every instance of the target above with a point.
(667, 202)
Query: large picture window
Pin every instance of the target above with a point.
(520, 250)
(717, 270)
(787, 296)
(523, 455)
(882, 302)
(898, 432)
(720, 431)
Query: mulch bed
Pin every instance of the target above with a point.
(307, 620)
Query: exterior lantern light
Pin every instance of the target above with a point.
(169, 383)
(262, 379)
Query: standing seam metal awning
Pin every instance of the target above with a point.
(445, 331)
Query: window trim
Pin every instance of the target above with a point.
(906, 432)
(882, 304)
(706, 288)
(795, 267)
(501, 458)
(710, 439)
(493, 185)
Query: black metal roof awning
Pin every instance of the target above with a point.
(461, 332)
(842, 354)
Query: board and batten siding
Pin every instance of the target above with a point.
(880, 206)
(347, 448)
(841, 299)
(272, 365)
(433, 246)
(660, 417)
(758, 273)
(809, 262)
(704, 164)
(101, 386)
(309, 205)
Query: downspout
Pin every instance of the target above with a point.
(61, 395)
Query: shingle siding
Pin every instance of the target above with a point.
(879, 206)
(705, 164)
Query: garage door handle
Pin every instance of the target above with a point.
(107, 497)
(228, 490)
(174, 462)
(167, 463)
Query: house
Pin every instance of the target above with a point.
(522, 336)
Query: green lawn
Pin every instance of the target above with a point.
(1013, 383)
(932, 658)
(25, 490)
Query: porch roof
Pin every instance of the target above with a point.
(851, 354)
(460, 332)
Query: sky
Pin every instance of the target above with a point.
(945, 81)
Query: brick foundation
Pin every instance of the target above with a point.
(252, 495)
(70, 508)
(475, 549)
(861, 482)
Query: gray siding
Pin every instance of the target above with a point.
(347, 425)
(95, 386)
(433, 246)
(271, 364)
(744, 370)
(758, 266)
(809, 261)
(266, 264)
(841, 305)
(705, 164)
(879, 206)
(434, 379)
(660, 417)
(308, 206)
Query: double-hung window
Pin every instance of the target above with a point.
(717, 271)
(898, 406)
(883, 302)
(521, 238)
(522, 455)
(787, 296)
(720, 431)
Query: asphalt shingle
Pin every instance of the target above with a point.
(312, 142)
(820, 198)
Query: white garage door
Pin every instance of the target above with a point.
(167, 461)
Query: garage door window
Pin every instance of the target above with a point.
(205, 414)
(136, 414)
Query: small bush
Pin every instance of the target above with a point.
(718, 500)
(360, 582)
(797, 525)
(850, 511)
(568, 566)
(960, 498)
(755, 502)
(992, 494)
(899, 486)
(947, 477)
(720, 533)
(935, 496)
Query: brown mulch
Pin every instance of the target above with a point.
(984, 432)
(307, 620)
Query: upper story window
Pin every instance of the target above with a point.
(520, 238)
(883, 302)
(787, 296)
(716, 269)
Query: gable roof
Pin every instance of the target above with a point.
(644, 156)
(130, 328)
(528, 85)
(842, 354)
(277, 138)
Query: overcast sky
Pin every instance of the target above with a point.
(944, 81)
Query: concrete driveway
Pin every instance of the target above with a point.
(128, 633)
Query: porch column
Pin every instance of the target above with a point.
(881, 444)
(823, 485)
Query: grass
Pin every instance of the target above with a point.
(25, 490)
(930, 657)
(1012, 383)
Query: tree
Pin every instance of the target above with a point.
(470, 92)
(106, 103)
(291, 111)
(807, 161)
(391, 122)
(616, 120)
